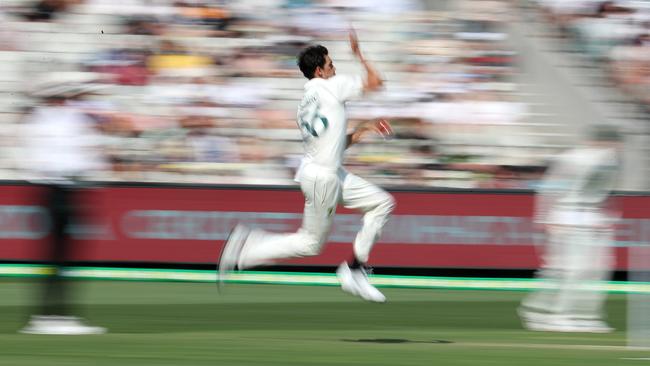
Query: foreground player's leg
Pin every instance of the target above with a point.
(56, 317)
(377, 205)
(322, 191)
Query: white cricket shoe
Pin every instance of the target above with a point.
(231, 250)
(543, 322)
(59, 325)
(348, 284)
(566, 325)
(533, 320)
(367, 291)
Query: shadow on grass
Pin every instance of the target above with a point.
(395, 341)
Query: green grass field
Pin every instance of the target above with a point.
(173, 323)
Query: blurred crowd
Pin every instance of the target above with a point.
(206, 91)
(614, 33)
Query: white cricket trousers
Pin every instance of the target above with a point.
(575, 259)
(323, 189)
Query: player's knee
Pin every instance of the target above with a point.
(309, 250)
(312, 246)
(387, 205)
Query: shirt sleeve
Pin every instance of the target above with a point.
(346, 87)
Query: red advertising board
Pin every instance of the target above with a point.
(460, 229)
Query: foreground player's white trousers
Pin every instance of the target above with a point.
(576, 259)
(323, 190)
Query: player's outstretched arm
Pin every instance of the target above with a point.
(373, 80)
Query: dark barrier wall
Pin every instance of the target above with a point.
(187, 224)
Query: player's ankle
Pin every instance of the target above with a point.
(356, 264)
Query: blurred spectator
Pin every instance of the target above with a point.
(205, 145)
(45, 10)
(8, 36)
(258, 62)
(198, 13)
(643, 40)
(630, 68)
(173, 58)
(143, 25)
(127, 66)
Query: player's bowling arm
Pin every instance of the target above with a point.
(373, 80)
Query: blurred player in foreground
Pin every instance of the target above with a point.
(578, 255)
(324, 182)
(60, 148)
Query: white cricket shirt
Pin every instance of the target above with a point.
(323, 121)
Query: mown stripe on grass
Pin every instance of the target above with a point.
(583, 347)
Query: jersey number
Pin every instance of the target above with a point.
(312, 121)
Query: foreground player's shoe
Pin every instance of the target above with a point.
(367, 291)
(348, 284)
(231, 250)
(59, 325)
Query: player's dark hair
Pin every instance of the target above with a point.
(310, 58)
